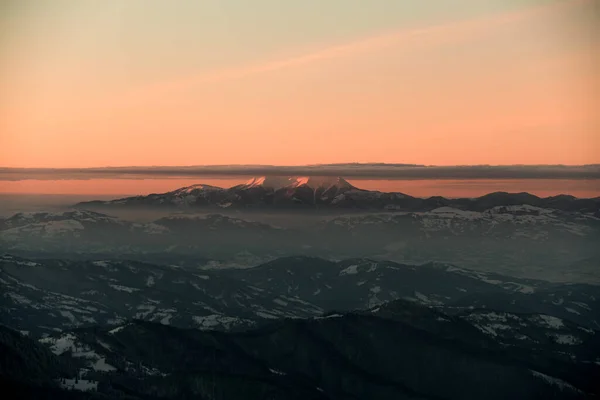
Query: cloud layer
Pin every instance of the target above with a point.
(350, 171)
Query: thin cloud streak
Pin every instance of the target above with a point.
(439, 34)
(350, 171)
(448, 32)
(432, 35)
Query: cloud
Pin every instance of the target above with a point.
(437, 33)
(350, 171)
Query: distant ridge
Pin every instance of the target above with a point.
(350, 170)
(306, 192)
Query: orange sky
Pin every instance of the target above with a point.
(514, 84)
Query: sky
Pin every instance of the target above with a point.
(212, 82)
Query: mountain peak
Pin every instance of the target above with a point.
(314, 182)
(270, 182)
(197, 187)
(328, 182)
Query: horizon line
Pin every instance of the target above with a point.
(372, 163)
(358, 171)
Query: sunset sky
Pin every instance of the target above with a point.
(187, 82)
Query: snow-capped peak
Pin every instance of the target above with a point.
(299, 181)
(270, 182)
(314, 182)
(200, 186)
(256, 181)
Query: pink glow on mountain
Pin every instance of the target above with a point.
(280, 182)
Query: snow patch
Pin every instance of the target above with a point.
(104, 344)
(118, 329)
(280, 302)
(550, 321)
(566, 339)
(101, 365)
(554, 381)
(62, 344)
(81, 385)
(266, 315)
(124, 288)
(216, 320)
(351, 270)
(69, 315)
(17, 298)
(103, 264)
(277, 372)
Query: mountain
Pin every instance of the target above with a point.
(542, 241)
(75, 233)
(364, 283)
(46, 230)
(522, 240)
(329, 193)
(272, 191)
(296, 327)
(399, 350)
(42, 296)
(24, 360)
(29, 370)
(219, 236)
(45, 296)
(283, 182)
(522, 222)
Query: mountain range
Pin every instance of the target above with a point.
(295, 327)
(380, 296)
(329, 193)
(521, 240)
(42, 296)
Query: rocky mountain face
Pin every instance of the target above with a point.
(291, 193)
